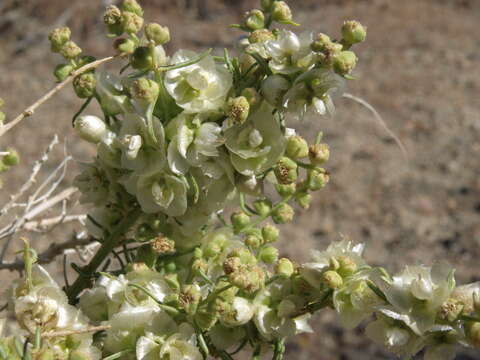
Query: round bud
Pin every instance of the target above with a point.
(238, 109)
(132, 23)
(145, 90)
(316, 180)
(270, 233)
(70, 50)
(62, 71)
(286, 170)
(303, 199)
(473, 332)
(297, 147)
(84, 85)
(268, 254)
(353, 32)
(170, 267)
(261, 35)
(231, 265)
(113, 19)
(319, 153)
(142, 58)
(283, 214)
(266, 4)
(132, 6)
(332, 279)
(12, 158)
(90, 128)
(286, 190)
(321, 42)
(344, 62)
(262, 207)
(124, 46)
(158, 34)
(253, 241)
(347, 265)
(254, 20)
(281, 12)
(239, 220)
(58, 38)
(284, 267)
(246, 257)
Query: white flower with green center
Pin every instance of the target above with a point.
(290, 53)
(201, 87)
(256, 145)
(93, 185)
(192, 142)
(336, 253)
(417, 294)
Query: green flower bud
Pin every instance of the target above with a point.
(266, 4)
(473, 333)
(286, 170)
(172, 281)
(190, 297)
(269, 254)
(262, 207)
(332, 279)
(347, 266)
(162, 245)
(252, 96)
(303, 199)
(321, 43)
(253, 241)
(142, 58)
(78, 355)
(12, 158)
(238, 109)
(353, 32)
(158, 34)
(84, 85)
(170, 267)
(145, 90)
(246, 257)
(297, 147)
(239, 220)
(58, 38)
(124, 46)
(132, 6)
(283, 214)
(90, 128)
(286, 190)
(254, 20)
(270, 233)
(345, 62)
(284, 267)
(249, 279)
(451, 310)
(319, 153)
(113, 20)
(281, 12)
(70, 50)
(317, 179)
(212, 249)
(261, 35)
(132, 23)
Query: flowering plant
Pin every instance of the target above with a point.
(184, 141)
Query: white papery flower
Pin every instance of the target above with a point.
(224, 337)
(93, 184)
(110, 91)
(201, 87)
(417, 294)
(312, 271)
(241, 312)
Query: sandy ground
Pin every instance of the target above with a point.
(419, 69)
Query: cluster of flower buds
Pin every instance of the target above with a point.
(183, 138)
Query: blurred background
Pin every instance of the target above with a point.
(419, 68)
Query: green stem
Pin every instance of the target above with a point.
(108, 245)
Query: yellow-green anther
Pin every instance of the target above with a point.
(297, 147)
(260, 35)
(283, 214)
(84, 85)
(269, 254)
(319, 154)
(145, 90)
(254, 20)
(124, 46)
(303, 199)
(157, 33)
(344, 62)
(113, 20)
(239, 220)
(58, 38)
(132, 6)
(70, 50)
(12, 158)
(270, 233)
(332, 279)
(285, 190)
(353, 32)
(316, 180)
(132, 23)
(286, 170)
(281, 12)
(238, 109)
(284, 267)
(142, 58)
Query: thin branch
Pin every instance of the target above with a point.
(75, 332)
(46, 224)
(31, 109)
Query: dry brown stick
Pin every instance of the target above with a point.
(31, 109)
(44, 224)
(75, 332)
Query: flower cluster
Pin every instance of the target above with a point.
(196, 166)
